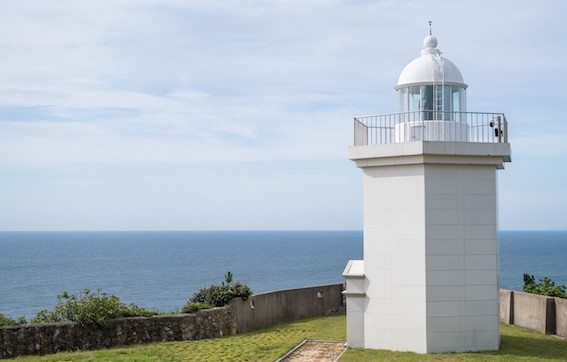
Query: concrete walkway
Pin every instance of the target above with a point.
(315, 351)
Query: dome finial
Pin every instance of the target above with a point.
(430, 42)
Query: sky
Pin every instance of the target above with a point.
(237, 115)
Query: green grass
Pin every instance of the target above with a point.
(516, 344)
(266, 345)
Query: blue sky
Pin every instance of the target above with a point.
(227, 115)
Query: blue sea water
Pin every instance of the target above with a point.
(539, 253)
(161, 270)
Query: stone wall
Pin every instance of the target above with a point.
(506, 303)
(537, 312)
(530, 311)
(544, 314)
(56, 337)
(268, 309)
(561, 317)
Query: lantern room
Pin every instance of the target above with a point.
(431, 86)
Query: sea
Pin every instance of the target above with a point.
(160, 270)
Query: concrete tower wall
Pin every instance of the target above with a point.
(461, 258)
(394, 258)
(430, 252)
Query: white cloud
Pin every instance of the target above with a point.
(148, 82)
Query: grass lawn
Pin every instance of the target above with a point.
(516, 344)
(269, 344)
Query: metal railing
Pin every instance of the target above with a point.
(478, 127)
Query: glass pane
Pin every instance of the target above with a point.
(427, 97)
(403, 104)
(456, 100)
(459, 102)
(402, 96)
(414, 102)
(447, 116)
(427, 101)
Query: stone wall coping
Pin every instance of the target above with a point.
(293, 289)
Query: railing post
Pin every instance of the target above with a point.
(355, 131)
(499, 129)
(505, 129)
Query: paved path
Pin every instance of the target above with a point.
(315, 351)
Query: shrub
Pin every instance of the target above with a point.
(132, 310)
(194, 307)
(218, 295)
(88, 308)
(7, 321)
(545, 287)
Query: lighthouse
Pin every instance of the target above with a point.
(429, 279)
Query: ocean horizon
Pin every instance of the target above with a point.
(160, 270)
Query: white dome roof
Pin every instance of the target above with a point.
(430, 68)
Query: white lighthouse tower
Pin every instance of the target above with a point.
(429, 279)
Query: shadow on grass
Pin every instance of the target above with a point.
(546, 347)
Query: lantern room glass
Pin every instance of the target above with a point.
(432, 102)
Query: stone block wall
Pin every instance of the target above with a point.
(57, 337)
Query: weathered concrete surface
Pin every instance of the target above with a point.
(561, 317)
(530, 311)
(506, 306)
(268, 309)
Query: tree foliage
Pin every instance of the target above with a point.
(191, 307)
(218, 295)
(545, 287)
(7, 321)
(88, 308)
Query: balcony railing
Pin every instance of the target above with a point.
(476, 127)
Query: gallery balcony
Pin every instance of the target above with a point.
(471, 127)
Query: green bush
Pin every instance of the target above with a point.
(545, 287)
(89, 309)
(7, 321)
(97, 308)
(218, 295)
(194, 307)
